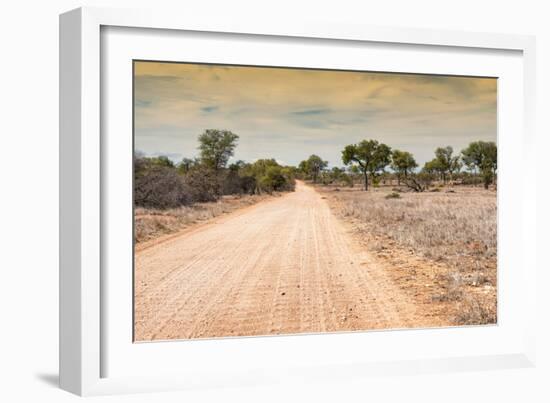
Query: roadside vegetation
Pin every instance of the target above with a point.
(444, 213)
(371, 164)
(151, 223)
(453, 232)
(170, 196)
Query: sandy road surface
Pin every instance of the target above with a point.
(287, 265)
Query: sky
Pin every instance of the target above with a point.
(289, 114)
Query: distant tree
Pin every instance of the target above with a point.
(160, 161)
(446, 163)
(272, 179)
(482, 156)
(313, 166)
(456, 166)
(186, 164)
(216, 147)
(370, 155)
(236, 166)
(269, 176)
(337, 174)
(469, 162)
(473, 155)
(403, 163)
(430, 167)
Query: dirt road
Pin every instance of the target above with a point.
(287, 265)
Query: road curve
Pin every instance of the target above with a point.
(286, 265)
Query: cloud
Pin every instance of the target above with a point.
(309, 112)
(291, 113)
(141, 103)
(209, 109)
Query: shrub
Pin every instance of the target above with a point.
(160, 187)
(473, 311)
(202, 184)
(160, 184)
(269, 176)
(393, 195)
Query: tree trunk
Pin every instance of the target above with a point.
(366, 181)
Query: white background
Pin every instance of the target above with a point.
(236, 356)
(28, 198)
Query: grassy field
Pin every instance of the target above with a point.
(452, 230)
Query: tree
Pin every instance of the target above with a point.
(269, 176)
(216, 147)
(482, 155)
(446, 163)
(469, 163)
(370, 155)
(160, 161)
(313, 166)
(491, 158)
(337, 174)
(186, 164)
(431, 167)
(403, 163)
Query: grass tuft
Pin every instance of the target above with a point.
(393, 195)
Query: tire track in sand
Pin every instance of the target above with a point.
(282, 266)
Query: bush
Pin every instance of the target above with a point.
(160, 184)
(393, 195)
(160, 187)
(269, 176)
(202, 184)
(234, 183)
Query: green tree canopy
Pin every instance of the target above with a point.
(447, 163)
(370, 155)
(313, 166)
(402, 162)
(482, 156)
(269, 175)
(216, 147)
(186, 164)
(161, 161)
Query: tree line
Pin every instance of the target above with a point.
(160, 183)
(370, 158)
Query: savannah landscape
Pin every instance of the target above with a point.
(370, 239)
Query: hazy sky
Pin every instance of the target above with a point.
(289, 114)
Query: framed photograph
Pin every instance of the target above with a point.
(244, 203)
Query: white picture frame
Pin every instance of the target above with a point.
(88, 349)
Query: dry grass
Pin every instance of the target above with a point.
(454, 228)
(152, 223)
(475, 311)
